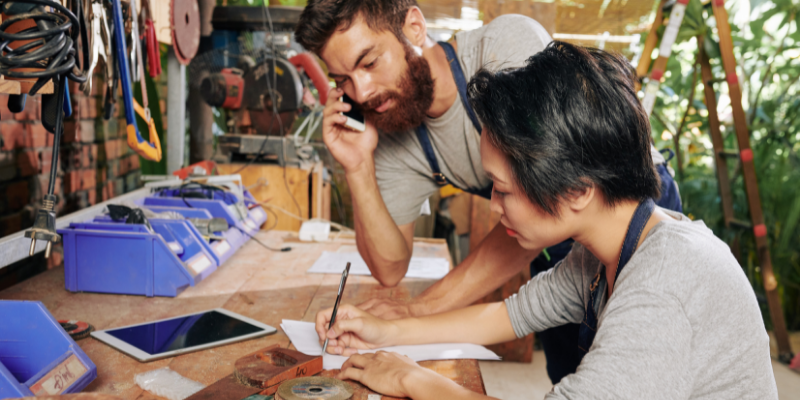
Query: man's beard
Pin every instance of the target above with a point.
(411, 102)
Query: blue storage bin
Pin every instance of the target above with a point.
(114, 257)
(37, 357)
(233, 238)
(219, 205)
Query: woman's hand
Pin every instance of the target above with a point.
(354, 329)
(385, 373)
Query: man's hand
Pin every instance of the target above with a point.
(350, 148)
(354, 329)
(390, 309)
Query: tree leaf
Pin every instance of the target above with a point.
(711, 46)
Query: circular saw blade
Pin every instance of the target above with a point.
(185, 21)
(314, 388)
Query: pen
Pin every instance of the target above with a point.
(336, 305)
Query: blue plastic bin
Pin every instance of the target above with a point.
(37, 357)
(114, 257)
(223, 249)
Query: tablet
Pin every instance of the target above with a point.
(179, 335)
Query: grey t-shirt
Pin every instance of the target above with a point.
(403, 173)
(682, 322)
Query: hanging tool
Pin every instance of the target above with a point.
(101, 39)
(745, 153)
(150, 151)
(103, 43)
(144, 109)
(151, 41)
(136, 44)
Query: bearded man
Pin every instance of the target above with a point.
(420, 134)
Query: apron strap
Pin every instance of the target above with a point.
(461, 82)
(422, 130)
(427, 148)
(588, 327)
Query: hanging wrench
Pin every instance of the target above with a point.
(137, 63)
(98, 30)
(136, 45)
(110, 59)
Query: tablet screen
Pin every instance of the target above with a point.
(183, 332)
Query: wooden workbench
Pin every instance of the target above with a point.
(257, 283)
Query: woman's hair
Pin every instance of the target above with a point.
(568, 119)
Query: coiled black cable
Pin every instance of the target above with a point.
(52, 49)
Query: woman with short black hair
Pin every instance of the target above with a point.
(665, 310)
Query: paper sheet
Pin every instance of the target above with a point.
(305, 339)
(419, 267)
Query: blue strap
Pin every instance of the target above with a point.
(671, 154)
(461, 82)
(425, 141)
(422, 130)
(588, 328)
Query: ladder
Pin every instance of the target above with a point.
(721, 155)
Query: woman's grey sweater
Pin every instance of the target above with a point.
(682, 322)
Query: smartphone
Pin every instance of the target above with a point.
(355, 120)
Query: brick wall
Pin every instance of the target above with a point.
(95, 162)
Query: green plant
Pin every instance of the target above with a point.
(767, 49)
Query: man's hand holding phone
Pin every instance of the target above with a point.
(349, 146)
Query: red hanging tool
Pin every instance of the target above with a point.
(150, 41)
(153, 53)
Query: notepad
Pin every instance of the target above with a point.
(305, 339)
(419, 267)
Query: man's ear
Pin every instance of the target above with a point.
(580, 199)
(415, 29)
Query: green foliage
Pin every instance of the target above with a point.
(767, 50)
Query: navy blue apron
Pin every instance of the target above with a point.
(670, 198)
(422, 130)
(588, 327)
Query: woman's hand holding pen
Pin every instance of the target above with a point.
(354, 329)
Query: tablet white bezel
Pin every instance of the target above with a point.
(142, 356)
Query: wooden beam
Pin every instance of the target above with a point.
(751, 181)
(649, 44)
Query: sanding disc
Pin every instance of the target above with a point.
(185, 22)
(314, 387)
(76, 329)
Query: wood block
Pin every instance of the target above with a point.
(320, 194)
(261, 372)
(9, 87)
(462, 372)
(267, 185)
(269, 367)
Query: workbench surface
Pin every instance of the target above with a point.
(257, 283)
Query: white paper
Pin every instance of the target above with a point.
(419, 267)
(305, 339)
